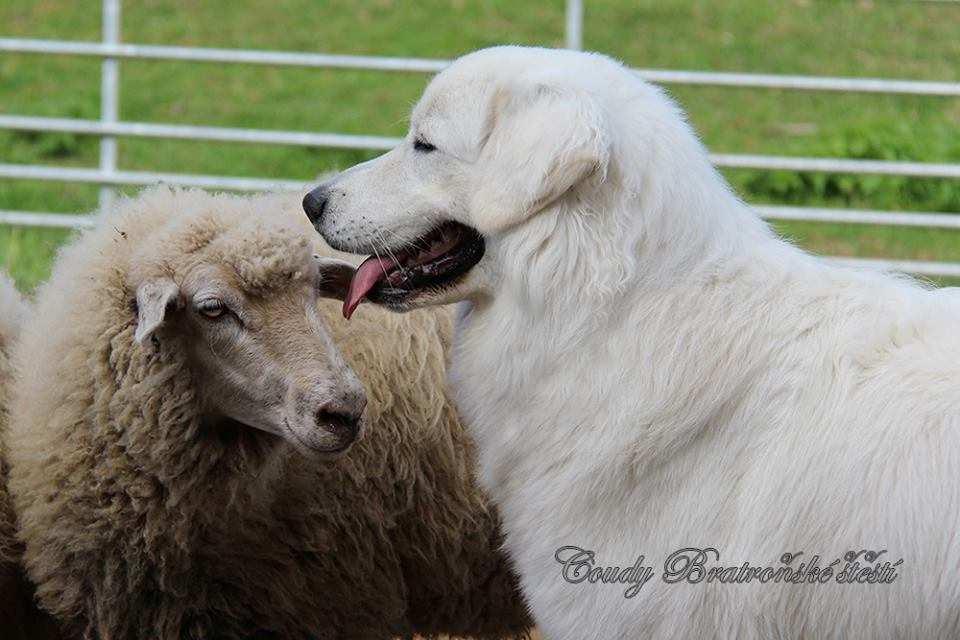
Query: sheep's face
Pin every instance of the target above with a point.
(263, 360)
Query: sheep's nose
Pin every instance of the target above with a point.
(344, 416)
(343, 419)
(315, 204)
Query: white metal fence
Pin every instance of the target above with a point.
(109, 128)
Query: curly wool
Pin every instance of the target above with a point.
(140, 523)
(19, 616)
(12, 311)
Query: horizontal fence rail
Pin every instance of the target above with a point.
(917, 267)
(193, 132)
(52, 220)
(770, 212)
(226, 56)
(922, 268)
(431, 65)
(861, 216)
(837, 165)
(143, 178)
(109, 128)
(380, 143)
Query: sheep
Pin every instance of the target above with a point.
(150, 508)
(19, 616)
(12, 310)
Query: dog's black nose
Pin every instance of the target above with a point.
(315, 203)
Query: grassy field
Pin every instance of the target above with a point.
(889, 39)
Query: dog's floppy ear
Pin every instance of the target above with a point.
(542, 142)
(333, 277)
(154, 297)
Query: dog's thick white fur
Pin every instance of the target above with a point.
(646, 366)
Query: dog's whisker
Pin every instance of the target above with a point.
(379, 259)
(393, 256)
(413, 243)
(401, 243)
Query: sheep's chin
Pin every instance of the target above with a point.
(310, 446)
(235, 433)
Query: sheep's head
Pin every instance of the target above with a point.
(246, 318)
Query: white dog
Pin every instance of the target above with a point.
(647, 368)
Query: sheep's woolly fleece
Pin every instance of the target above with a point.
(19, 616)
(137, 523)
(12, 311)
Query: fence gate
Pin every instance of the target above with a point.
(111, 50)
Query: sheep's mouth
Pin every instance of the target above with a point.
(434, 261)
(331, 434)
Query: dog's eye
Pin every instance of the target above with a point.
(212, 308)
(419, 144)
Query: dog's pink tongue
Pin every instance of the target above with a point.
(368, 274)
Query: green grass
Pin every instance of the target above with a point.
(888, 39)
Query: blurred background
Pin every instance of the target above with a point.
(912, 40)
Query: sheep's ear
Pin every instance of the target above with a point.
(543, 142)
(333, 277)
(154, 297)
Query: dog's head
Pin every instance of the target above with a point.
(498, 139)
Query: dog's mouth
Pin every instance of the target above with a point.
(434, 261)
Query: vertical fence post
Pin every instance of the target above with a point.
(575, 24)
(109, 90)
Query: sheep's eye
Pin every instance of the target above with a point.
(421, 145)
(212, 308)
